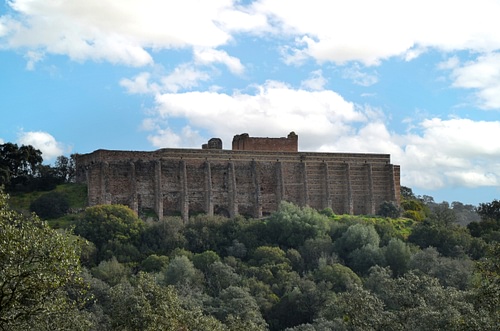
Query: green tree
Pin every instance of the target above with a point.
(65, 168)
(338, 277)
(181, 272)
(18, 165)
(356, 236)
(114, 229)
(397, 255)
(38, 266)
(389, 209)
(291, 225)
(154, 263)
(202, 261)
(163, 236)
(236, 302)
(220, 276)
(356, 310)
(143, 305)
(111, 271)
(490, 210)
(50, 205)
(487, 287)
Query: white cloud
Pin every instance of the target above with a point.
(140, 84)
(435, 153)
(185, 76)
(455, 152)
(275, 107)
(33, 58)
(209, 56)
(118, 31)
(43, 141)
(364, 31)
(370, 31)
(481, 75)
(316, 82)
(168, 138)
(358, 76)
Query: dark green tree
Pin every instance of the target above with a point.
(18, 165)
(114, 229)
(50, 205)
(389, 209)
(39, 266)
(142, 304)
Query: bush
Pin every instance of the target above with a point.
(389, 209)
(50, 205)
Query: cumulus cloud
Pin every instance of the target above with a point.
(209, 56)
(166, 137)
(362, 30)
(435, 153)
(316, 81)
(366, 31)
(117, 31)
(183, 77)
(275, 107)
(43, 141)
(358, 76)
(140, 84)
(481, 75)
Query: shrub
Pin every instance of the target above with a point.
(50, 205)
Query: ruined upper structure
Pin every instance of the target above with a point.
(243, 142)
(251, 179)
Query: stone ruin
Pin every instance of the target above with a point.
(251, 179)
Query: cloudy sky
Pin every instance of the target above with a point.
(419, 80)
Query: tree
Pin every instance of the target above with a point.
(181, 272)
(65, 168)
(487, 286)
(142, 304)
(397, 256)
(489, 210)
(389, 209)
(339, 277)
(236, 302)
(38, 265)
(291, 225)
(50, 205)
(18, 164)
(356, 236)
(407, 193)
(114, 229)
(356, 309)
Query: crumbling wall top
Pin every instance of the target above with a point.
(243, 142)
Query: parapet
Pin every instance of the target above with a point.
(243, 142)
(214, 143)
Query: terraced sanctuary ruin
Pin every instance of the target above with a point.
(251, 179)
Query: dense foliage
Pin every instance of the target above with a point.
(21, 169)
(40, 276)
(297, 270)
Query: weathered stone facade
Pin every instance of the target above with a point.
(230, 182)
(243, 142)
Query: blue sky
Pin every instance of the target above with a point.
(419, 80)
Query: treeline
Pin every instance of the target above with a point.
(21, 169)
(299, 269)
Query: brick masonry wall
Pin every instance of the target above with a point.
(184, 182)
(244, 142)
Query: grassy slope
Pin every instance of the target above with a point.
(76, 194)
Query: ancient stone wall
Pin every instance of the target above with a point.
(243, 142)
(215, 181)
